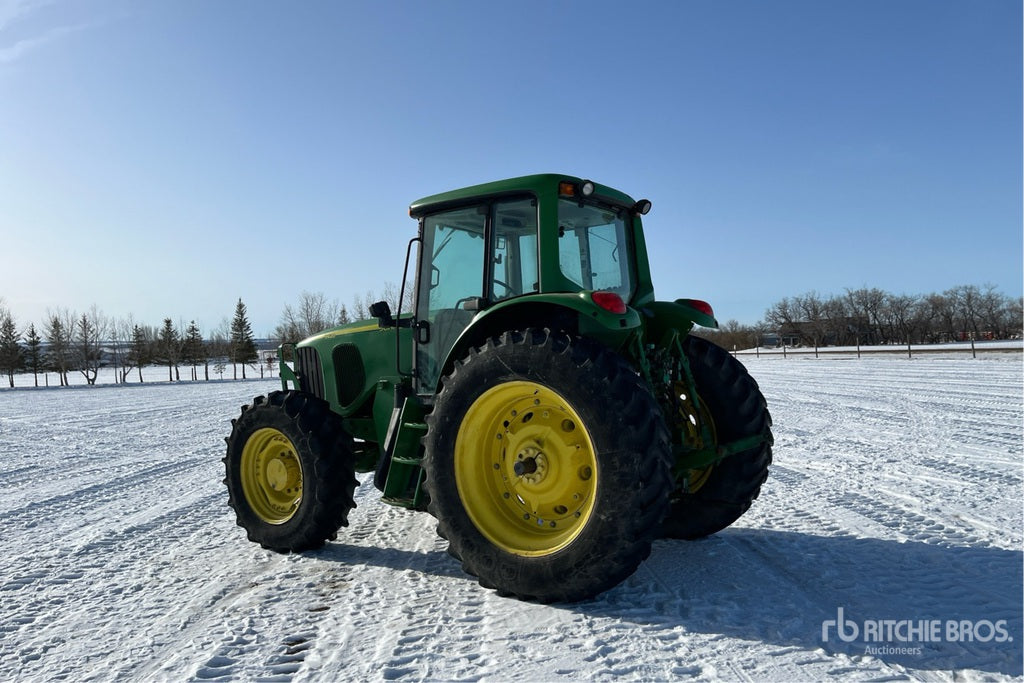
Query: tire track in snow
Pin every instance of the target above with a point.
(415, 562)
(85, 498)
(94, 590)
(274, 641)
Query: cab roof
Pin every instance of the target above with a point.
(538, 184)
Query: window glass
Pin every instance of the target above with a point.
(452, 266)
(454, 242)
(514, 258)
(593, 247)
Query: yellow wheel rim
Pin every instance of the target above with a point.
(525, 469)
(688, 419)
(271, 476)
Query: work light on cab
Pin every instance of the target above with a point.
(570, 189)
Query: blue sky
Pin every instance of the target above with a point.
(165, 158)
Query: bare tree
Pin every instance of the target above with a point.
(966, 302)
(812, 312)
(781, 313)
(901, 310)
(866, 305)
(122, 345)
(998, 313)
(1014, 318)
(361, 305)
(313, 313)
(836, 322)
(929, 315)
(391, 294)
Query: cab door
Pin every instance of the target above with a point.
(475, 255)
(451, 273)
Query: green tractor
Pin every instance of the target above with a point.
(538, 401)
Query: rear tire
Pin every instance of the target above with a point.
(290, 471)
(547, 465)
(717, 496)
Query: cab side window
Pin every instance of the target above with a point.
(514, 255)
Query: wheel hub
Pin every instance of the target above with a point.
(531, 464)
(282, 475)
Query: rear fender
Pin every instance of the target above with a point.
(575, 313)
(663, 318)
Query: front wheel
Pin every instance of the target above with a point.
(290, 472)
(546, 462)
(729, 401)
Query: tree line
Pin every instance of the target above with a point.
(871, 316)
(69, 342)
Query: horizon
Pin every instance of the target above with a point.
(175, 157)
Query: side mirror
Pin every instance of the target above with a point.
(382, 311)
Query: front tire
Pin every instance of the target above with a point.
(547, 465)
(712, 498)
(290, 471)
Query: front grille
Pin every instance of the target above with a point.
(349, 374)
(309, 370)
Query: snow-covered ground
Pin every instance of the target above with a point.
(886, 545)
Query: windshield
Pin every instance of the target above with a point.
(594, 247)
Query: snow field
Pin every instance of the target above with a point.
(895, 497)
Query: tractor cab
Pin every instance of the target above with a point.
(509, 245)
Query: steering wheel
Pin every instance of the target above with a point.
(508, 288)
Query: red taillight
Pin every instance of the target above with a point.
(702, 306)
(609, 301)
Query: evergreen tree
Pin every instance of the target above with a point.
(193, 350)
(169, 348)
(243, 346)
(34, 352)
(12, 357)
(58, 356)
(139, 353)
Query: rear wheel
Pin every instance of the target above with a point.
(546, 462)
(710, 499)
(289, 471)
